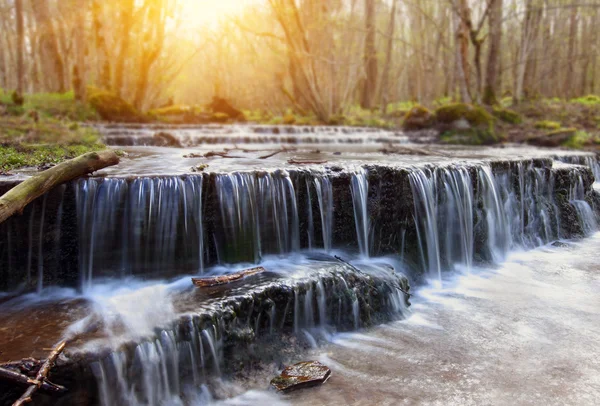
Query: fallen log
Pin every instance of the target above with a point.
(225, 279)
(20, 379)
(41, 375)
(16, 199)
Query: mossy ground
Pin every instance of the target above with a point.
(45, 130)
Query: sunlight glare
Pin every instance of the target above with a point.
(202, 12)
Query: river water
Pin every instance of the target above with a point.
(525, 333)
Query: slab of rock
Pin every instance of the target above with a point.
(301, 375)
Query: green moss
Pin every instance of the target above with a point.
(14, 157)
(172, 110)
(578, 140)
(418, 118)
(289, 119)
(472, 136)
(547, 125)
(111, 107)
(507, 115)
(29, 141)
(589, 100)
(475, 115)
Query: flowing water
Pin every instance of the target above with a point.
(116, 252)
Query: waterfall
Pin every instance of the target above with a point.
(423, 185)
(139, 226)
(325, 197)
(586, 215)
(360, 193)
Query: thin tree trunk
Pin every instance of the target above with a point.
(20, 46)
(103, 73)
(491, 78)
(51, 58)
(80, 69)
(370, 84)
(570, 71)
(384, 91)
(126, 23)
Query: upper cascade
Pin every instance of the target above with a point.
(434, 217)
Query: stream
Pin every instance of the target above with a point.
(497, 246)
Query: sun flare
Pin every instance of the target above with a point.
(210, 11)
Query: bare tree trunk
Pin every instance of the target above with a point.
(384, 91)
(51, 58)
(461, 53)
(529, 30)
(568, 90)
(20, 46)
(103, 73)
(79, 68)
(370, 85)
(126, 22)
(151, 49)
(491, 78)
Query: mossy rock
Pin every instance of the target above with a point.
(289, 119)
(175, 110)
(507, 115)
(590, 99)
(418, 118)
(547, 125)
(472, 136)
(111, 107)
(476, 116)
(556, 138)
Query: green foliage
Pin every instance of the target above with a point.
(475, 115)
(442, 101)
(507, 115)
(59, 105)
(547, 125)
(418, 118)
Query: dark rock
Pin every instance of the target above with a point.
(165, 139)
(301, 375)
(560, 244)
(222, 106)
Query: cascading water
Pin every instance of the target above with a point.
(138, 226)
(325, 197)
(360, 194)
(461, 214)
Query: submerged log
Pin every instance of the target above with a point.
(225, 279)
(15, 200)
(41, 375)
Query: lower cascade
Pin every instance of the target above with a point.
(341, 247)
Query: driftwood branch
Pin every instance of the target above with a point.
(225, 279)
(16, 199)
(42, 374)
(279, 151)
(21, 379)
(293, 161)
(403, 150)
